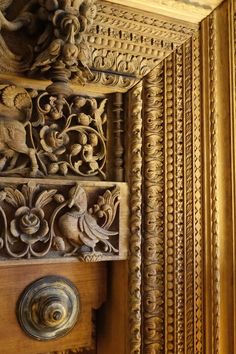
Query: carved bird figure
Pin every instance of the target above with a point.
(48, 56)
(79, 227)
(13, 143)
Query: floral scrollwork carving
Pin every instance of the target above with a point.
(38, 220)
(58, 136)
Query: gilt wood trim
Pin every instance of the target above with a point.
(121, 46)
(192, 11)
(135, 244)
(153, 246)
(172, 254)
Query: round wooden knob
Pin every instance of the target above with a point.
(48, 308)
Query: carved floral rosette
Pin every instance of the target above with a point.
(61, 219)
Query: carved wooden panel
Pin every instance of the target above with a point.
(89, 278)
(62, 219)
(73, 351)
(50, 135)
(170, 137)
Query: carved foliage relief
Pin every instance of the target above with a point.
(59, 219)
(106, 44)
(172, 293)
(45, 135)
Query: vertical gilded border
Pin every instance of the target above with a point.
(213, 181)
(153, 211)
(135, 183)
(197, 199)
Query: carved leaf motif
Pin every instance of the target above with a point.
(14, 197)
(75, 144)
(28, 191)
(106, 207)
(45, 198)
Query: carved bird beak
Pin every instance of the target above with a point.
(71, 203)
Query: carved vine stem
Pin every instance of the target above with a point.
(118, 136)
(153, 211)
(135, 181)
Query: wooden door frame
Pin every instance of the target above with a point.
(176, 292)
(182, 241)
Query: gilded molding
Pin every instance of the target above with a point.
(172, 250)
(120, 47)
(190, 10)
(129, 43)
(189, 234)
(135, 182)
(197, 197)
(169, 203)
(153, 245)
(213, 182)
(179, 202)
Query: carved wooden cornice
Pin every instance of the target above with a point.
(190, 10)
(121, 46)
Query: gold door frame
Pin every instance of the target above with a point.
(182, 253)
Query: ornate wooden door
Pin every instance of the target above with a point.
(117, 180)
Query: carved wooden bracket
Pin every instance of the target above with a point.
(60, 50)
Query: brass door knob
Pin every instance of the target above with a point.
(48, 308)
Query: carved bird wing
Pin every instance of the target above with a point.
(48, 56)
(88, 225)
(83, 56)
